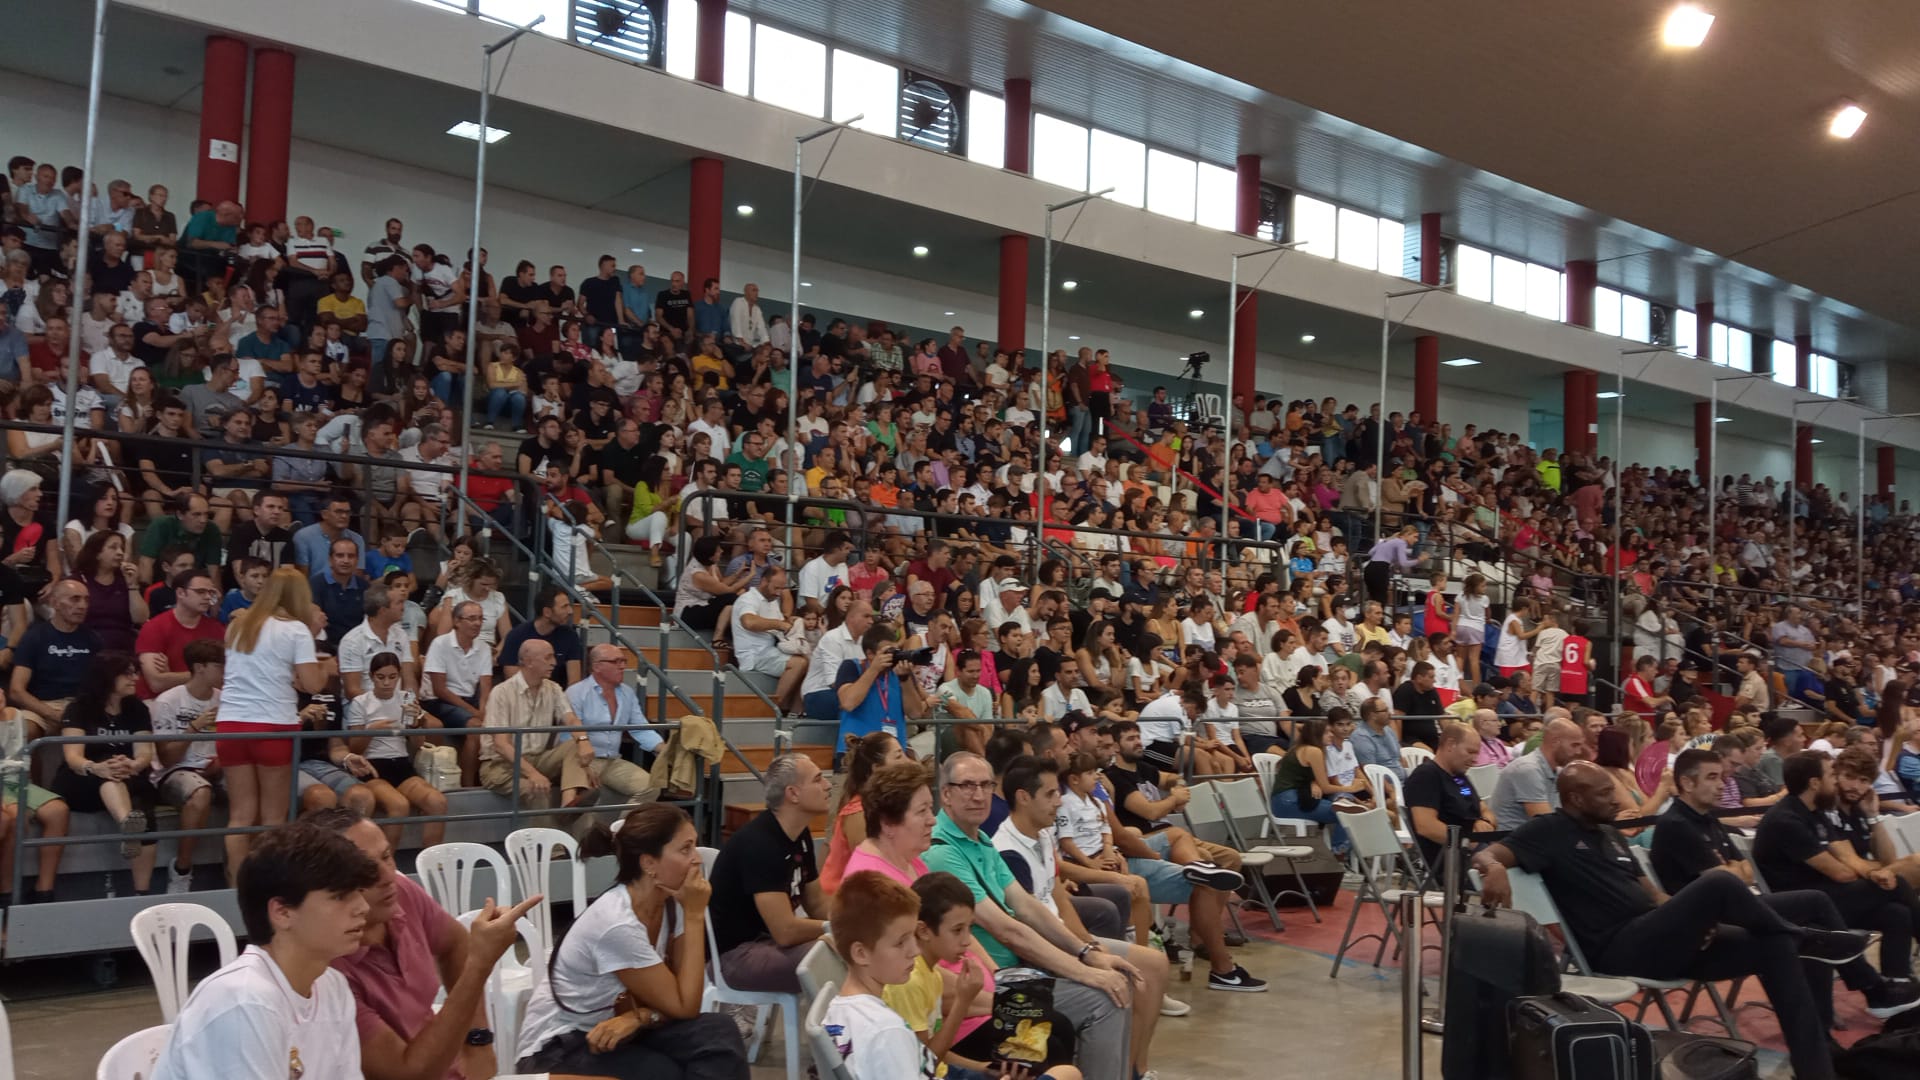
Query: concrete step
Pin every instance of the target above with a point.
(762, 756)
(738, 704)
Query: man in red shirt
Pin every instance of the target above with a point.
(47, 358)
(163, 640)
(1269, 506)
(1640, 697)
(934, 570)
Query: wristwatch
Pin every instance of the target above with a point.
(479, 1037)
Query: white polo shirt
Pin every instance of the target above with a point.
(750, 645)
(361, 645)
(463, 668)
(836, 645)
(1041, 855)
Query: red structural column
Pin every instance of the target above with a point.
(1430, 248)
(1590, 404)
(223, 114)
(1426, 377)
(1803, 454)
(1013, 293)
(1583, 276)
(710, 43)
(1803, 361)
(703, 221)
(1573, 397)
(1883, 471)
(1019, 126)
(1246, 306)
(1702, 330)
(270, 135)
(1703, 441)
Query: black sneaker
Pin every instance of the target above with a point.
(1891, 999)
(1832, 946)
(1236, 980)
(1213, 877)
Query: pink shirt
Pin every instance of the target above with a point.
(861, 860)
(394, 983)
(1269, 505)
(1493, 752)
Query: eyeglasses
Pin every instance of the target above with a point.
(971, 787)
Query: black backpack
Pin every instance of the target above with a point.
(1498, 955)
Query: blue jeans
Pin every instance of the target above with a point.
(1079, 427)
(1286, 804)
(513, 402)
(447, 387)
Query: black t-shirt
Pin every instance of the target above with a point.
(1452, 797)
(316, 749)
(599, 295)
(543, 456)
(1590, 872)
(625, 464)
(564, 639)
(1686, 844)
(114, 279)
(132, 719)
(172, 459)
(1789, 835)
(675, 308)
(1124, 782)
(1853, 827)
(1842, 694)
(760, 858)
(521, 294)
(151, 355)
(602, 428)
(247, 539)
(1421, 709)
(58, 660)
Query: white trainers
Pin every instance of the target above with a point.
(178, 883)
(1172, 1006)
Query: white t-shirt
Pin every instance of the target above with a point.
(818, 578)
(1511, 651)
(568, 546)
(874, 1043)
(245, 1020)
(1193, 633)
(605, 941)
(360, 645)
(1343, 633)
(1164, 719)
(1054, 704)
(368, 709)
(426, 483)
(259, 685)
(750, 645)
(1446, 673)
(1222, 720)
(1081, 821)
(173, 713)
(494, 606)
(1471, 613)
(463, 670)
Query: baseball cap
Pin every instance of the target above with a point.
(1076, 721)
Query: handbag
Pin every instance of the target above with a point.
(439, 766)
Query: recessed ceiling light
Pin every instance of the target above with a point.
(1195, 313)
(744, 209)
(1686, 27)
(1608, 395)
(1846, 121)
(1723, 419)
(1817, 442)
(1306, 339)
(920, 249)
(948, 314)
(1073, 337)
(467, 129)
(1069, 284)
(637, 251)
(1462, 361)
(806, 284)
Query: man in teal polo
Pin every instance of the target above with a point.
(1095, 988)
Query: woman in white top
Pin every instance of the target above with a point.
(1510, 654)
(621, 997)
(478, 581)
(567, 544)
(167, 284)
(387, 711)
(1470, 623)
(270, 661)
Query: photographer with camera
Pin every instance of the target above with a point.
(877, 693)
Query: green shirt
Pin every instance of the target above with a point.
(977, 862)
(203, 226)
(166, 531)
(753, 473)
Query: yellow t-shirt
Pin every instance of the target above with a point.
(342, 309)
(1376, 633)
(918, 1000)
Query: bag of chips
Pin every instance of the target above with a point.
(1023, 1015)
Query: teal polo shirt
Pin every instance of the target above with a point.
(977, 862)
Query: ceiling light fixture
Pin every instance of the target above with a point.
(637, 251)
(806, 284)
(1073, 337)
(1817, 442)
(1069, 284)
(948, 314)
(920, 250)
(744, 209)
(1723, 419)
(1846, 120)
(1686, 27)
(1306, 339)
(1196, 313)
(1462, 361)
(467, 129)
(1608, 395)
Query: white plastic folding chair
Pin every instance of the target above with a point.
(1531, 896)
(1412, 756)
(163, 933)
(1483, 777)
(134, 1057)
(827, 1061)
(6, 1045)
(1380, 856)
(1265, 766)
(1904, 831)
(450, 874)
(1246, 809)
(510, 984)
(1380, 778)
(533, 853)
(1206, 815)
(719, 993)
(821, 966)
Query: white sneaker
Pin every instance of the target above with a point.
(1172, 1006)
(178, 883)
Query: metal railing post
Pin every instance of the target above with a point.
(1411, 986)
(513, 811)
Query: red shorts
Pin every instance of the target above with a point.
(1509, 672)
(273, 753)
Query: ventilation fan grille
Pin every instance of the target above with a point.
(930, 113)
(628, 29)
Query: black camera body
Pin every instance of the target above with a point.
(918, 657)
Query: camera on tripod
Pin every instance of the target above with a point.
(1196, 361)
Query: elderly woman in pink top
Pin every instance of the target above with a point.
(899, 819)
(1493, 749)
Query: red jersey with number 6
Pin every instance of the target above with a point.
(1573, 665)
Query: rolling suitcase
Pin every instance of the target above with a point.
(1567, 1037)
(1498, 955)
(1685, 1056)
